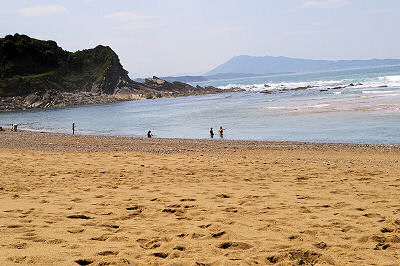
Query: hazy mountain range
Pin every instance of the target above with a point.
(250, 66)
(271, 64)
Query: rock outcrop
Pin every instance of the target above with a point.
(40, 74)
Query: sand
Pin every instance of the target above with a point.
(91, 200)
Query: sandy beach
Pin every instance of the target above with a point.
(97, 200)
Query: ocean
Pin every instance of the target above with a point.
(353, 106)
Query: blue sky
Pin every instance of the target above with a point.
(172, 37)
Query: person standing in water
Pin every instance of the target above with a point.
(211, 133)
(221, 132)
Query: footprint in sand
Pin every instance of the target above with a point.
(386, 230)
(100, 238)
(218, 235)
(24, 259)
(299, 256)
(169, 210)
(55, 241)
(381, 246)
(180, 248)
(231, 209)
(84, 262)
(202, 264)
(107, 253)
(75, 231)
(321, 245)
(11, 226)
(160, 255)
(234, 245)
(19, 245)
(79, 216)
(188, 199)
(204, 226)
(196, 235)
(148, 244)
(132, 212)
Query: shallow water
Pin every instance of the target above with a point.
(364, 113)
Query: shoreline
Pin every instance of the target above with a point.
(90, 142)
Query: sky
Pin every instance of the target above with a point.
(177, 37)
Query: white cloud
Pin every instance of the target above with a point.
(325, 3)
(139, 25)
(127, 16)
(38, 11)
(227, 29)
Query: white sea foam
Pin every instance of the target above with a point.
(321, 84)
(298, 107)
(377, 82)
(390, 81)
(377, 92)
(393, 78)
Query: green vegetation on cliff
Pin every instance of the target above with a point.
(30, 66)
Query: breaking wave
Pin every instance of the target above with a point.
(379, 82)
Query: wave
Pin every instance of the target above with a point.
(285, 85)
(377, 92)
(394, 78)
(366, 83)
(298, 107)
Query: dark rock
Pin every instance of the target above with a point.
(266, 92)
(302, 88)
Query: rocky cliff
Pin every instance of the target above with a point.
(40, 74)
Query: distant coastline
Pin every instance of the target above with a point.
(220, 76)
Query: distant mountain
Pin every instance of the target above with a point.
(271, 64)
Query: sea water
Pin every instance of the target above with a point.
(355, 106)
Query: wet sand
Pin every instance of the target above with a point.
(93, 200)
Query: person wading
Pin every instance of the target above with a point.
(221, 131)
